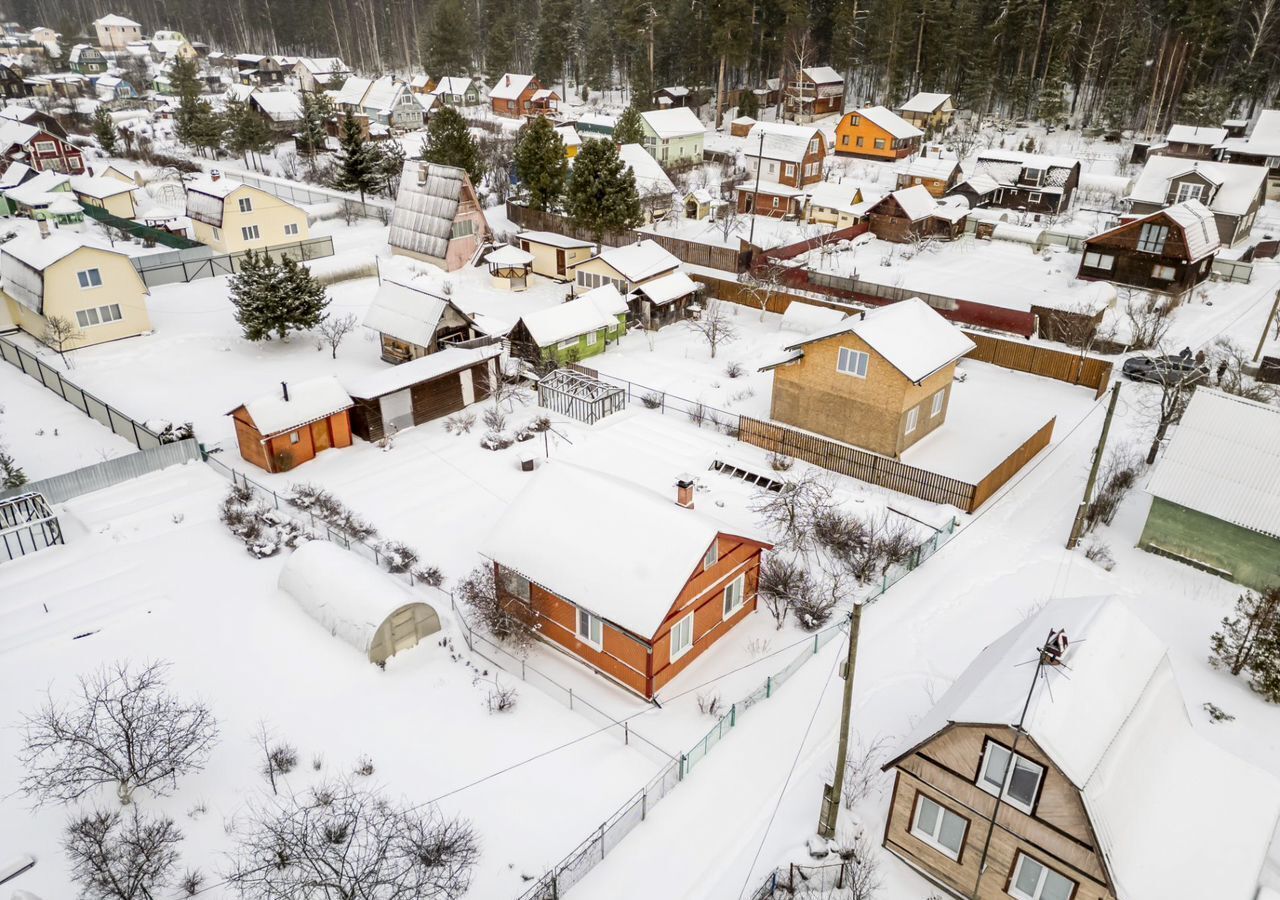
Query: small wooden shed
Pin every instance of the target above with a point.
(426, 388)
(287, 428)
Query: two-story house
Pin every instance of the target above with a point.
(636, 617)
(13, 83)
(386, 101)
(256, 69)
(40, 149)
(1009, 179)
(1170, 251)
(673, 135)
(116, 32)
(875, 132)
(929, 111)
(413, 322)
(1062, 765)
(320, 73)
(812, 93)
(1191, 142)
(86, 60)
(782, 162)
(457, 91)
(515, 96)
(913, 213)
(880, 380)
(1234, 193)
(1261, 148)
(437, 217)
(230, 216)
(935, 174)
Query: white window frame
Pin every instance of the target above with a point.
(514, 583)
(789, 170)
(1034, 197)
(913, 420)
(935, 408)
(1152, 237)
(1045, 872)
(46, 147)
(586, 625)
(712, 556)
(568, 343)
(250, 233)
(244, 204)
(86, 278)
(1094, 259)
(880, 144)
(1159, 271)
(291, 229)
(681, 637)
(1185, 192)
(733, 596)
(933, 838)
(110, 313)
(592, 338)
(87, 318)
(853, 362)
(1011, 765)
(294, 437)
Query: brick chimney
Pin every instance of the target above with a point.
(215, 174)
(684, 491)
(43, 225)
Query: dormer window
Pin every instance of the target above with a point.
(1014, 778)
(1189, 191)
(1033, 176)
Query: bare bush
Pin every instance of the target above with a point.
(500, 698)
(734, 369)
(1230, 361)
(462, 423)
(758, 647)
(782, 583)
(364, 766)
(709, 704)
(857, 852)
(651, 400)
(118, 857)
(1147, 319)
(191, 882)
(502, 613)
(815, 609)
(399, 556)
(1118, 473)
(789, 513)
(715, 324)
(278, 757)
(123, 727)
(862, 774)
(333, 329)
(1100, 553)
(780, 462)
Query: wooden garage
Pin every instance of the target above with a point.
(421, 390)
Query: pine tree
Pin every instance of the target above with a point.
(1203, 106)
(184, 75)
(629, 129)
(500, 48)
(554, 24)
(207, 127)
(390, 166)
(598, 50)
(104, 129)
(449, 143)
(313, 134)
(357, 160)
(1242, 639)
(446, 45)
(602, 193)
(749, 104)
(273, 299)
(1051, 104)
(541, 163)
(245, 131)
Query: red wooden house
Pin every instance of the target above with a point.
(631, 583)
(285, 429)
(782, 160)
(517, 96)
(39, 149)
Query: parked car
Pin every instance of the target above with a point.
(1164, 370)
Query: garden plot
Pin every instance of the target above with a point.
(156, 577)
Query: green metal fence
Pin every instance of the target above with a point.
(138, 230)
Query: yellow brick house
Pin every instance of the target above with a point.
(230, 216)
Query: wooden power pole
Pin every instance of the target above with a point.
(831, 794)
(1077, 527)
(1257, 354)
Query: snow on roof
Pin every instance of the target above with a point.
(37, 191)
(14, 174)
(15, 132)
(567, 320)
(823, 75)
(1239, 186)
(405, 312)
(352, 91)
(569, 135)
(924, 102)
(309, 401)
(1195, 134)
(507, 255)
(982, 184)
(113, 19)
(807, 318)
(452, 84)
(664, 290)
(551, 239)
(1197, 223)
(100, 186)
(323, 65)
(426, 206)
(916, 202)
(676, 90)
(909, 334)
(543, 94)
(608, 299)
(677, 122)
(638, 261)
(833, 194)
(929, 167)
(651, 178)
(424, 368)
(1224, 461)
(1005, 167)
(781, 140)
(889, 121)
(383, 93)
(350, 596)
(510, 86)
(1114, 722)
(598, 568)
(206, 196)
(280, 106)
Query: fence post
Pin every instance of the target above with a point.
(768, 686)
(733, 715)
(683, 759)
(602, 824)
(626, 733)
(571, 698)
(644, 804)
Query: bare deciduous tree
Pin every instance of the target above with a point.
(117, 857)
(862, 773)
(716, 324)
(1229, 360)
(790, 513)
(278, 757)
(1117, 474)
(782, 583)
(334, 329)
(1147, 319)
(762, 284)
(341, 840)
(862, 879)
(1174, 393)
(123, 727)
(61, 334)
(501, 612)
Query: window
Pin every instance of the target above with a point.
(462, 228)
(852, 362)
(87, 317)
(775, 202)
(109, 313)
(249, 232)
(1018, 783)
(1164, 273)
(74, 164)
(291, 228)
(681, 637)
(217, 233)
(712, 557)
(1033, 176)
(913, 419)
(513, 583)
(567, 344)
(879, 143)
(1033, 197)
(89, 278)
(1189, 192)
(1152, 237)
(935, 409)
(844, 140)
(294, 437)
(855, 120)
(813, 146)
(1095, 260)
(733, 595)
(590, 629)
(939, 827)
(592, 337)
(789, 170)
(859, 141)
(245, 204)
(1035, 881)
(46, 147)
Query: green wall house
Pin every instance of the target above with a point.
(574, 330)
(1216, 491)
(46, 196)
(673, 135)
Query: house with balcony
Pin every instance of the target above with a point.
(813, 92)
(1010, 179)
(1169, 251)
(413, 321)
(515, 96)
(1234, 193)
(783, 161)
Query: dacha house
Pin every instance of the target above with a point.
(413, 321)
(1009, 179)
(288, 427)
(554, 255)
(1170, 251)
(783, 161)
(913, 213)
(437, 217)
(573, 330)
(230, 216)
(875, 132)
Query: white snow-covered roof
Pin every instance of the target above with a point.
(601, 120)
(782, 141)
(507, 255)
(1224, 461)
(638, 261)
(833, 194)
(1238, 186)
(910, 335)
(352, 91)
(14, 132)
(1114, 722)
(348, 595)
(425, 368)
(925, 102)
(14, 174)
(595, 564)
(676, 122)
(650, 177)
(100, 187)
(24, 259)
(323, 66)
(1195, 134)
(567, 320)
(405, 312)
(807, 318)
(676, 90)
(889, 121)
(916, 202)
(929, 167)
(120, 21)
(1005, 167)
(279, 106)
(823, 75)
(1198, 226)
(206, 197)
(452, 85)
(383, 94)
(569, 135)
(551, 239)
(664, 290)
(510, 86)
(607, 298)
(543, 94)
(38, 191)
(309, 401)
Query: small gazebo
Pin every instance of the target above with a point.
(509, 267)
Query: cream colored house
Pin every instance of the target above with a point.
(555, 255)
(626, 268)
(116, 32)
(96, 290)
(105, 192)
(230, 216)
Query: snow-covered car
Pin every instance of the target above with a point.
(1164, 370)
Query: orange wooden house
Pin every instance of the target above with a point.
(876, 133)
(289, 427)
(631, 583)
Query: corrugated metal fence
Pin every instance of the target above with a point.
(294, 192)
(182, 266)
(101, 475)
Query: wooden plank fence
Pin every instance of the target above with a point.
(1073, 368)
(1001, 474)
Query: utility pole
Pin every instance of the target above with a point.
(1078, 525)
(755, 196)
(831, 793)
(1257, 354)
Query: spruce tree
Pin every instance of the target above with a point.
(184, 76)
(245, 131)
(316, 110)
(629, 129)
(541, 163)
(273, 299)
(598, 51)
(749, 104)
(446, 44)
(207, 127)
(554, 23)
(602, 193)
(500, 46)
(1246, 636)
(104, 129)
(357, 160)
(449, 143)
(390, 166)
(1051, 104)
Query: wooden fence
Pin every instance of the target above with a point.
(1073, 368)
(997, 477)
